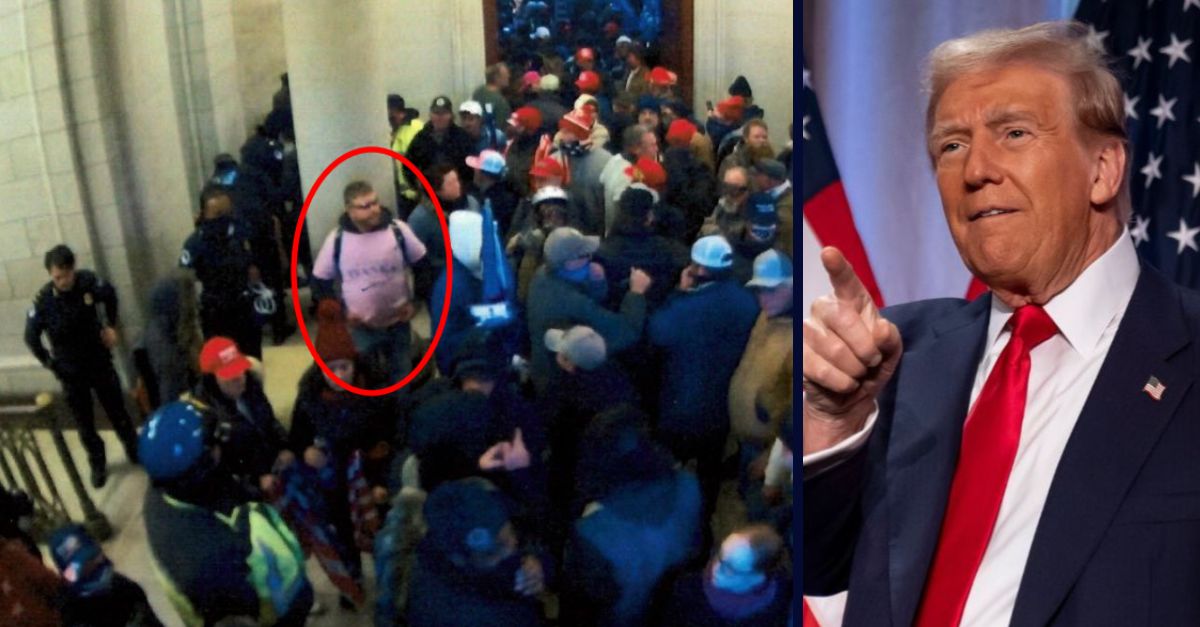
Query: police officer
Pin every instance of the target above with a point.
(220, 253)
(259, 202)
(218, 555)
(78, 311)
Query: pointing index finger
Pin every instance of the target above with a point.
(846, 285)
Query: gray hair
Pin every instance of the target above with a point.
(1061, 47)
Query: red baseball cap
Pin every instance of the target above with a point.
(588, 82)
(547, 168)
(648, 172)
(221, 358)
(731, 107)
(528, 118)
(662, 76)
(680, 132)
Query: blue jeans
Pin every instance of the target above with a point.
(388, 347)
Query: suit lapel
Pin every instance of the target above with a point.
(933, 393)
(1116, 431)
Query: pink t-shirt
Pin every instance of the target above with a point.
(374, 275)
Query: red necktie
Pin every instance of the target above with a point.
(989, 445)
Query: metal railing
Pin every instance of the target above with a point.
(25, 466)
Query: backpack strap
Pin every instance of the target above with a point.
(337, 254)
(337, 248)
(400, 242)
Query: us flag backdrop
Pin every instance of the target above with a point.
(1156, 47)
(827, 222)
(827, 216)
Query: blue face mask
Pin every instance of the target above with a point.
(578, 275)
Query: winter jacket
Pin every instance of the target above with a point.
(555, 303)
(768, 352)
(255, 437)
(690, 187)
(703, 333)
(622, 552)
(343, 421)
(660, 257)
(426, 150)
(519, 158)
(401, 140)
(171, 362)
(585, 188)
(443, 595)
(783, 207)
(504, 198)
(243, 561)
(552, 110)
(451, 430)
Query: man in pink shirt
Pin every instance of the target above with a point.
(369, 262)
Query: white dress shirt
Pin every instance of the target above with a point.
(1062, 373)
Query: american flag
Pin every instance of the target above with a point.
(1154, 388)
(827, 222)
(1156, 46)
(827, 217)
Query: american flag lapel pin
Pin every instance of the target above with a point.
(1154, 388)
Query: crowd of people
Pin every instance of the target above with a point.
(618, 342)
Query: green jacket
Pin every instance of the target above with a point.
(401, 140)
(212, 564)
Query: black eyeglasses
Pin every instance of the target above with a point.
(733, 190)
(366, 205)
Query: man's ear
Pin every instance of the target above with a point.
(1108, 170)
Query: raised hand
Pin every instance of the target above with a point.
(850, 353)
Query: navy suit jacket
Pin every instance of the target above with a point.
(1118, 542)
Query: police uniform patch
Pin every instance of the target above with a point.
(87, 299)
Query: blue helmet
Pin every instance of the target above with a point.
(172, 441)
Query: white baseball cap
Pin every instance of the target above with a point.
(471, 106)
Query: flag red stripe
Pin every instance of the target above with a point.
(809, 619)
(828, 213)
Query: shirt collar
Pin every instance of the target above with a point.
(779, 189)
(1086, 308)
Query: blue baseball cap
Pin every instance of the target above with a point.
(713, 252)
(771, 269)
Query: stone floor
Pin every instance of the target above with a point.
(121, 498)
